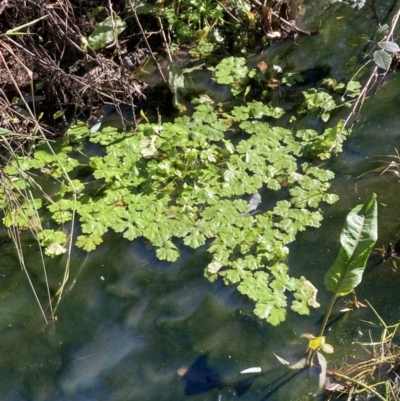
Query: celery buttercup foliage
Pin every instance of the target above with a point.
(187, 179)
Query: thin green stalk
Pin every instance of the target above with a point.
(327, 315)
(16, 239)
(14, 31)
(312, 352)
(42, 256)
(74, 190)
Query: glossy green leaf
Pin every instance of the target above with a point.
(358, 238)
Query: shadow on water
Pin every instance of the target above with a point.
(282, 381)
(200, 378)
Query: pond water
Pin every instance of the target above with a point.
(135, 328)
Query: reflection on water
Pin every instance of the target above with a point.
(93, 362)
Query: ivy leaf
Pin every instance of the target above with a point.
(382, 59)
(237, 273)
(241, 113)
(185, 179)
(248, 286)
(88, 242)
(301, 197)
(280, 300)
(232, 70)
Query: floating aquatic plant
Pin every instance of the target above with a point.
(189, 179)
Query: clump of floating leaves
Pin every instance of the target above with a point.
(188, 179)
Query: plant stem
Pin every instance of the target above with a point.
(312, 352)
(327, 315)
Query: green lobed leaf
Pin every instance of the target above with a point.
(88, 242)
(168, 252)
(277, 316)
(193, 184)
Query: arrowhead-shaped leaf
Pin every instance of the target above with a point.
(357, 238)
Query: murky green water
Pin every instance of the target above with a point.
(135, 328)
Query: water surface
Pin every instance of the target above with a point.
(135, 328)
